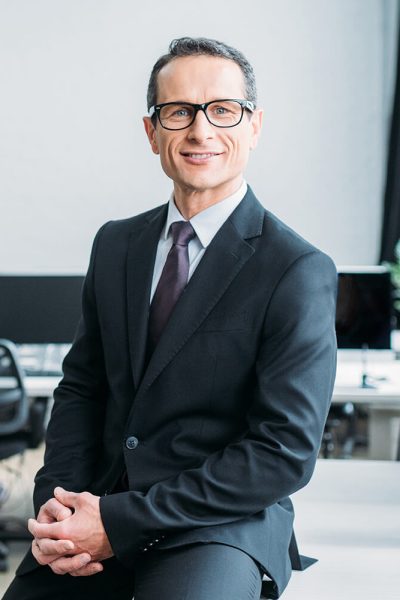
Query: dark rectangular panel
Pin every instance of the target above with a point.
(364, 310)
(40, 309)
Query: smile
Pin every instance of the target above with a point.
(199, 156)
(192, 155)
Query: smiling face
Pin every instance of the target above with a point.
(203, 160)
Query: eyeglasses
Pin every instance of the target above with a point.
(221, 113)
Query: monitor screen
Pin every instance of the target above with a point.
(40, 309)
(364, 308)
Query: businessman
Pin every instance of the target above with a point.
(195, 393)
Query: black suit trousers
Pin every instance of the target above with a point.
(195, 572)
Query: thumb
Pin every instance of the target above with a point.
(65, 497)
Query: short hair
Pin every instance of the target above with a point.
(187, 46)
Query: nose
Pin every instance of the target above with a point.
(201, 129)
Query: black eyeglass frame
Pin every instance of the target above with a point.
(245, 104)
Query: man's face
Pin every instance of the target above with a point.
(203, 157)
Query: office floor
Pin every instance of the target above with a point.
(19, 503)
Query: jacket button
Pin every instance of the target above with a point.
(131, 442)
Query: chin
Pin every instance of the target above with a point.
(202, 181)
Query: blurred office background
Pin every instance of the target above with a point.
(73, 154)
(73, 85)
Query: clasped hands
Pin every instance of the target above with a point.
(69, 535)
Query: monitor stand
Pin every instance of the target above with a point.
(367, 381)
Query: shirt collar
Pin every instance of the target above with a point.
(207, 222)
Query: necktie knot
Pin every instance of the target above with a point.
(182, 233)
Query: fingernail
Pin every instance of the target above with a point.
(85, 560)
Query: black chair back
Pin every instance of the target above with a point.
(13, 397)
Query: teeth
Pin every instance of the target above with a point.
(200, 155)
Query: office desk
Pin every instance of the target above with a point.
(349, 518)
(41, 386)
(382, 402)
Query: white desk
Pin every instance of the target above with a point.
(41, 386)
(382, 402)
(349, 518)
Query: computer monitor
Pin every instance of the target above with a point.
(364, 308)
(40, 309)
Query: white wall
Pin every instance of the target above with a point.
(73, 76)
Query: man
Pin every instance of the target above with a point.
(195, 394)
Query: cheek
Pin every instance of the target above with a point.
(169, 150)
(240, 148)
(168, 157)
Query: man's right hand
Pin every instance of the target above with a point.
(58, 553)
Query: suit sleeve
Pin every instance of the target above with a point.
(295, 373)
(75, 428)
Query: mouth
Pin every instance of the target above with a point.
(200, 157)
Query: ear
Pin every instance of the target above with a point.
(255, 124)
(151, 134)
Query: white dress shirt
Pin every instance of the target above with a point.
(205, 224)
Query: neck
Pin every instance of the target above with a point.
(190, 202)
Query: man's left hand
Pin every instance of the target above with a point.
(84, 528)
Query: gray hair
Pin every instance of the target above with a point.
(188, 46)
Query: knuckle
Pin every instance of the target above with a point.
(36, 553)
(40, 559)
(48, 508)
(31, 526)
(57, 569)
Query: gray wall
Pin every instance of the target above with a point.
(73, 153)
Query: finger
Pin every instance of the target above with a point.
(66, 564)
(54, 547)
(53, 510)
(66, 498)
(90, 569)
(42, 559)
(46, 530)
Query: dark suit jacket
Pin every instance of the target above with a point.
(225, 420)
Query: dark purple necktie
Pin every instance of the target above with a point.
(173, 279)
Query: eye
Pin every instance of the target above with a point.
(219, 109)
(176, 112)
(181, 112)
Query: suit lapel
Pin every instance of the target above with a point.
(142, 251)
(224, 258)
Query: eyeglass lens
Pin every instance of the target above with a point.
(222, 114)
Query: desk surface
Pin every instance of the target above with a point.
(347, 386)
(349, 518)
(41, 386)
(384, 375)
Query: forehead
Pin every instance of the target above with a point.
(200, 79)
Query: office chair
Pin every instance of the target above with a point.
(21, 427)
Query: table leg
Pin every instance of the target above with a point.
(384, 428)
